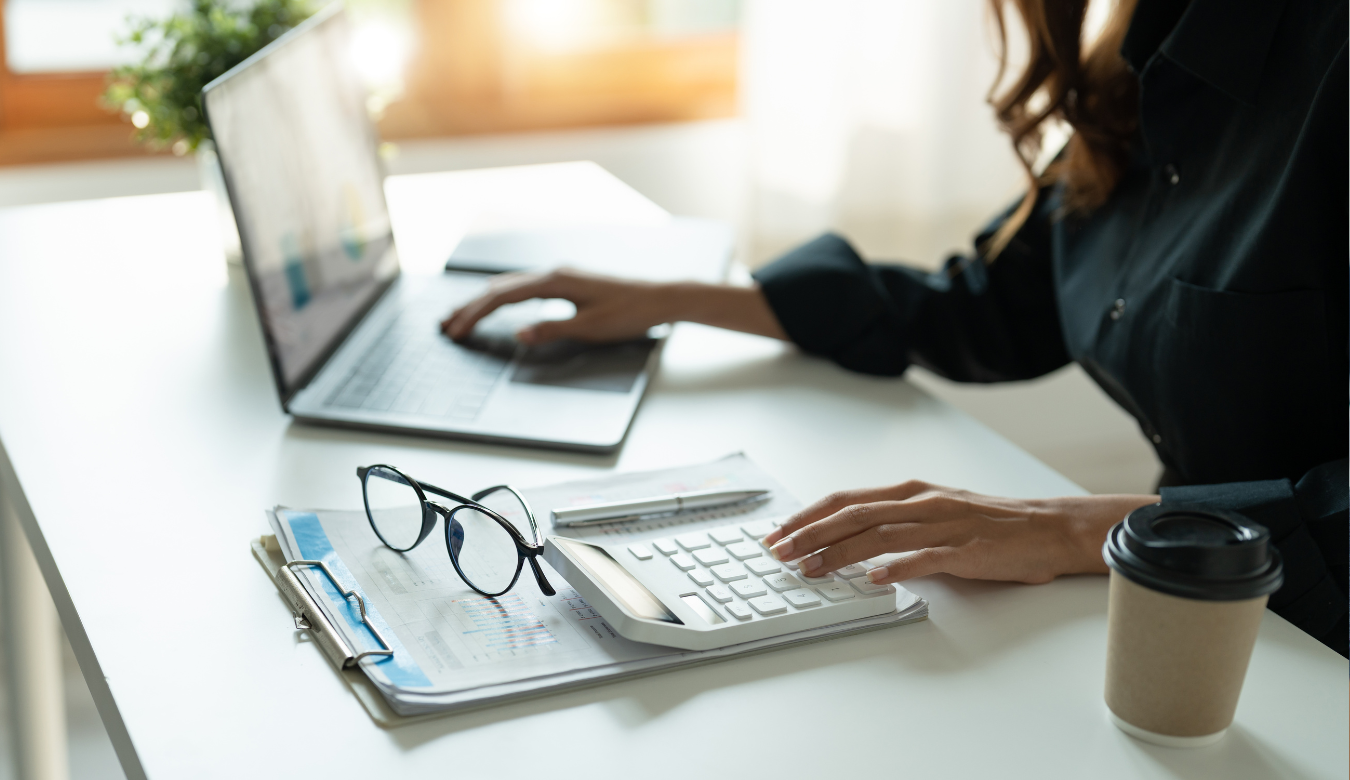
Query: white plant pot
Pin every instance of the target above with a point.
(213, 181)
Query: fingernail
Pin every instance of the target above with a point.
(783, 550)
(876, 575)
(810, 564)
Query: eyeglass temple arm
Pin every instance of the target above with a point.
(544, 584)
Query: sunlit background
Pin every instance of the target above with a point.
(783, 117)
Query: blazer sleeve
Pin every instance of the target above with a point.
(970, 321)
(1308, 523)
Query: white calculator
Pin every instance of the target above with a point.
(707, 589)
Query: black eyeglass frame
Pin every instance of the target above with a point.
(525, 550)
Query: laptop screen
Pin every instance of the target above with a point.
(299, 156)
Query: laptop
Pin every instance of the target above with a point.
(352, 341)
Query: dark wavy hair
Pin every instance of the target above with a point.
(1094, 92)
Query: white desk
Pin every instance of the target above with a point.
(141, 441)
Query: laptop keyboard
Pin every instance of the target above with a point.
(413, 369)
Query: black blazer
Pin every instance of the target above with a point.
(1208, 297)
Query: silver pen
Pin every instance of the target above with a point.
(673, 504)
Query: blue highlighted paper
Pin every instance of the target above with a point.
(313, 545)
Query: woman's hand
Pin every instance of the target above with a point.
(611, 309)
(952, 531)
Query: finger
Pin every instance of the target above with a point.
(837, 501)
(460, 324)
(921, 563)
(856, 518)
(878, 540)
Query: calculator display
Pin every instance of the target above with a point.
(702, 609)
(624, 587)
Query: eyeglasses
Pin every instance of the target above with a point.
(485, 535)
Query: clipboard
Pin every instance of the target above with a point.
(452, 652)
(306, 616)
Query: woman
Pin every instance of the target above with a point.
(1188, 248)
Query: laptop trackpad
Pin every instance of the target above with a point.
(607, 367)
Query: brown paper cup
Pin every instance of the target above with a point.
(1175, 666)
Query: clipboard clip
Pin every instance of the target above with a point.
(309, 617)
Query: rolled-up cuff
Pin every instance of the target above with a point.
(830, 303)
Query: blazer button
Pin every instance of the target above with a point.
(1157, 438)
(1171, 174)
(1118, 309)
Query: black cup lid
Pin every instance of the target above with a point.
(1195, 553)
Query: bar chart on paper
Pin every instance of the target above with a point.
(496, 628)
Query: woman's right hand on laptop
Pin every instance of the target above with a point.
(610, 309)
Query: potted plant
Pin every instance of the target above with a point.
(160, 95)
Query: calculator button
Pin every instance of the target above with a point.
(711, 556)
(815, 580)
(802, 598)
(759, 528)
(727, 535)
(701, 576)
(720, 594)
(868, 588)
(739, 611)
(693, 542)
(852, 570)
(729, 572)
(761, 566)
(748, 589)
(666, 547)
(768, 605)
(745, 550)
(782, 582)
(640, 551)
(684, 562)
(839, 591)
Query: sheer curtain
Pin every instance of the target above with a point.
(868, 117)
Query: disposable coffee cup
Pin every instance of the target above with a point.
(1188, 588)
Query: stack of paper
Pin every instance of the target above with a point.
(454, 648)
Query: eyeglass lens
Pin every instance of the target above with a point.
(485, 550)
(506, 503)
(394, 508)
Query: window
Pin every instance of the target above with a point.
(474, 66)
